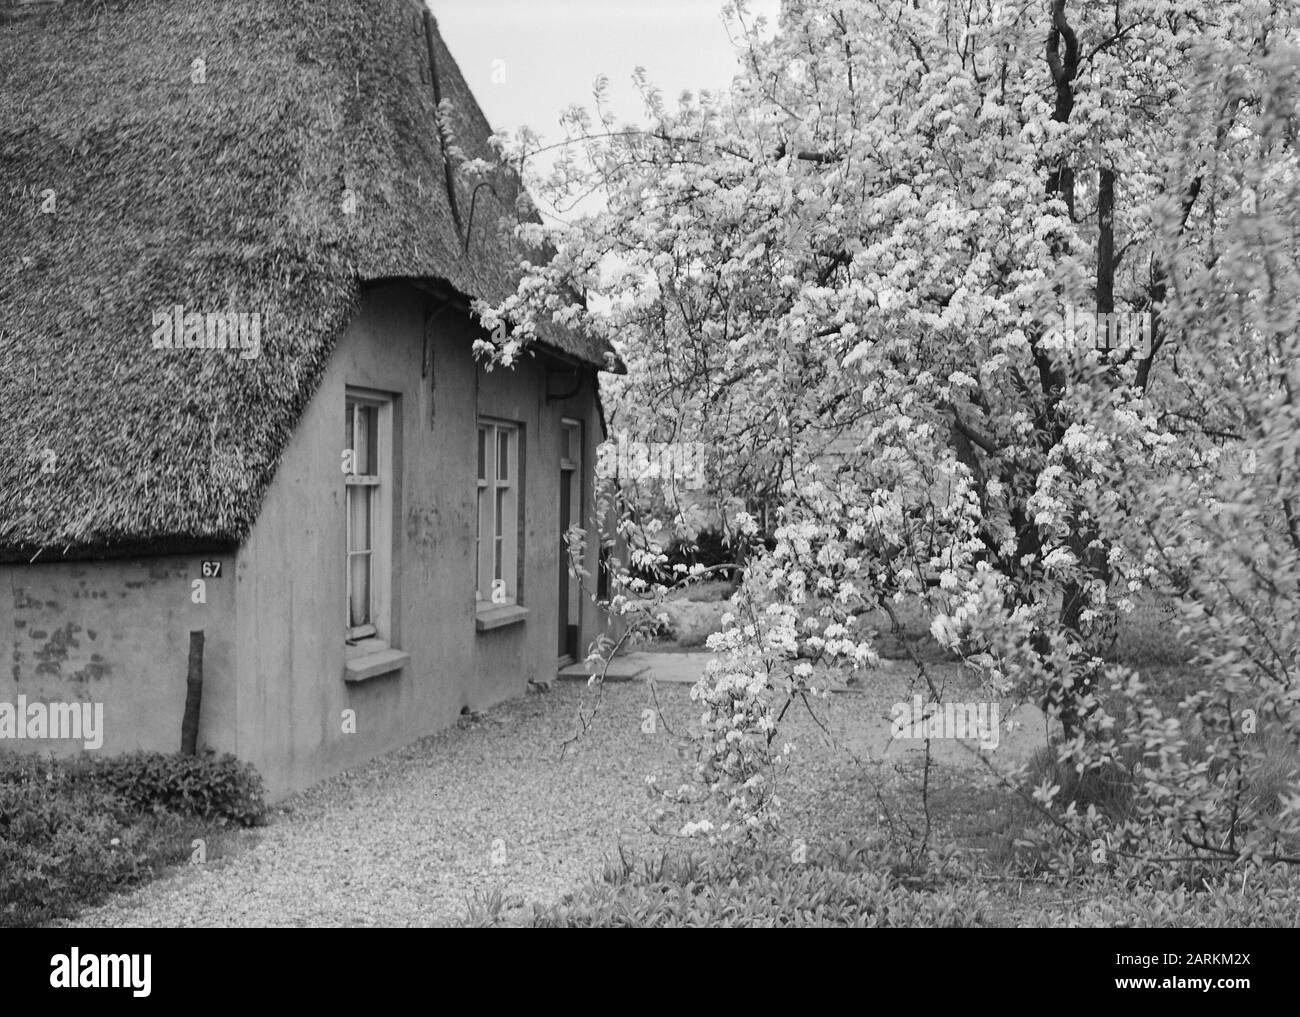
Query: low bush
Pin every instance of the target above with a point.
(220, 788)
(74, 830)
(60, 843)
(710, 548)
(1109, 787)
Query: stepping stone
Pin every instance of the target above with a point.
(621, 669)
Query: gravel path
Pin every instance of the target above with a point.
(410, 837)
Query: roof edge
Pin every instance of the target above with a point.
(442, 289)
(173, 546)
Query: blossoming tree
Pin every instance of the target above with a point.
(898, 231)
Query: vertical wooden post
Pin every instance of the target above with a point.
(193, 696)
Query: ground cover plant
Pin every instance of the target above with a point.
(74, 830)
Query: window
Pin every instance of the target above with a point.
(497, 537)
(570, 444)
(368, 479)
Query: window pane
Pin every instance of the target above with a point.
(347, 428)
(372, 439)
(359, 517)
(359, 590)
(482, 453)
(360, 436)
(498, 541)
(503, 454)
(484, 527)
(365, 440)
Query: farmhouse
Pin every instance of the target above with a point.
(362, 521)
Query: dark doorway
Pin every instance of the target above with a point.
(570, 514)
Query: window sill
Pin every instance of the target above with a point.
(374, 663)
(499, 615)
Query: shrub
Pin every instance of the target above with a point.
(56, 842)
(73, 830)
(709, 548)
(1109, 786)
(207, 787)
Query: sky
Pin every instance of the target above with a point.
(526, 60)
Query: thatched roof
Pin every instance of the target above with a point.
(134, 178)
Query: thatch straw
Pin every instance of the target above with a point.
(223, 194)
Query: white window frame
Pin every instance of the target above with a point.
(375, 481)
(496, 552)
(570, 426)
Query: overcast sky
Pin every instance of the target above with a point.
(552, 50)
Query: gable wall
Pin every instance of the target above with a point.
(117, 633)
(290, 575)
